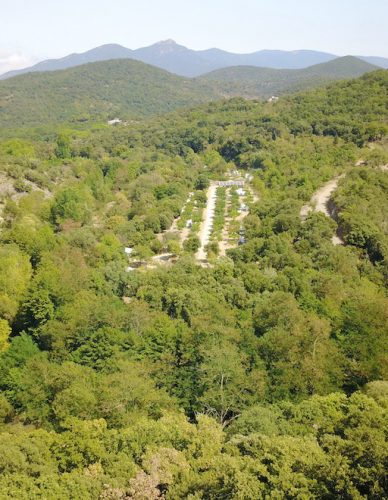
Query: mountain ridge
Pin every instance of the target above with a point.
(178, 59)
(98, 90)
(132, 89)
(251, 81)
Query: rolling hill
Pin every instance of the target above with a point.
(183, 61)
(98, 90)
(133, 90)
(251, 82)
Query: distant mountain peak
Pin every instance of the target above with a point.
(169, 41)
(168, 46)
(111, 45)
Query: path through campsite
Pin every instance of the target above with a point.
(207, 222)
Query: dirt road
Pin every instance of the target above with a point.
(320, 199)
(319, 203)
(207, 222)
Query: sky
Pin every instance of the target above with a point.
(33, 30)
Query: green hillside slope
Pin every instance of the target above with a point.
(98, 90)
(132, 90)
(249, 81)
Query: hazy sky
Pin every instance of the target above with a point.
(32, 30)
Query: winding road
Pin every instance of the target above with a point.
(320, 203)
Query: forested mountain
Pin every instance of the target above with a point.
(97, 91)
(249, 81)
(262, 374)
(182, 61)
(132, 90)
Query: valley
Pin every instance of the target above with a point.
(175, 320)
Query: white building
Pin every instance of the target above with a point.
(229, 183)
(115, 121)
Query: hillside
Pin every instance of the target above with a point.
(132, 90)
(101, 90)
(251, 82)
(183, 61)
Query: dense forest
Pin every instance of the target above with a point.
(96, 91)
(260, 375)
